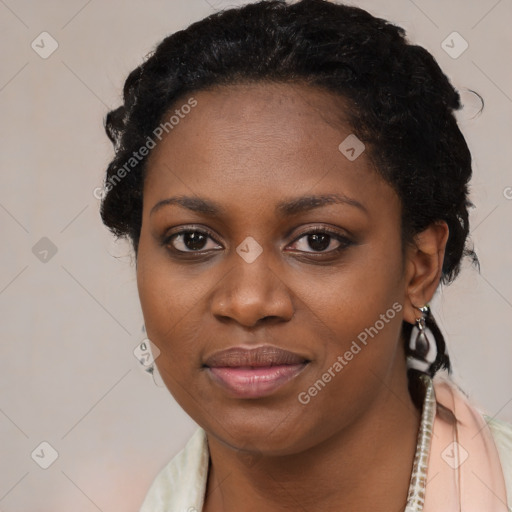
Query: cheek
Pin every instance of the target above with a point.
(166, 298)
(360, 307)
(169, 305)
(354, 297)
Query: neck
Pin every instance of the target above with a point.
(366, 466)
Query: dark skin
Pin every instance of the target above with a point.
(249, 147)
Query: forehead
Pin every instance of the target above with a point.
(239, 139)
(259, 101)
(245, 121)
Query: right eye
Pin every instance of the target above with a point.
(190, 240)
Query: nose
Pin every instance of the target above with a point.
(252, 293)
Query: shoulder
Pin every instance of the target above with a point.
(502, 435)
(181, 484)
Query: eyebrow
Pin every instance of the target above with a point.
(285, 208)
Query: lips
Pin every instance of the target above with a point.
(256, 372)
(266, 355)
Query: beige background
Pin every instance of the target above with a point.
(69, 325)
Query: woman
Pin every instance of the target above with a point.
(295, 187)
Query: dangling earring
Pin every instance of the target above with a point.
(146, 353)
(422, 344)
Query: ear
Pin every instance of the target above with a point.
(424, 265)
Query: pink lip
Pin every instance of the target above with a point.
(255, 382)
(254, 372)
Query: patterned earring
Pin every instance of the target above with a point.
(422, 344)
(146, 353)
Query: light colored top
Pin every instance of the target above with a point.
(181, 484)
(502, 435)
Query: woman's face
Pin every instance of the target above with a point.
(290, 243)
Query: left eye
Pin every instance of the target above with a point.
(320, 241)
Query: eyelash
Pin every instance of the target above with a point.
(343, 240)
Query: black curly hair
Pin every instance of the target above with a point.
(400, 104)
